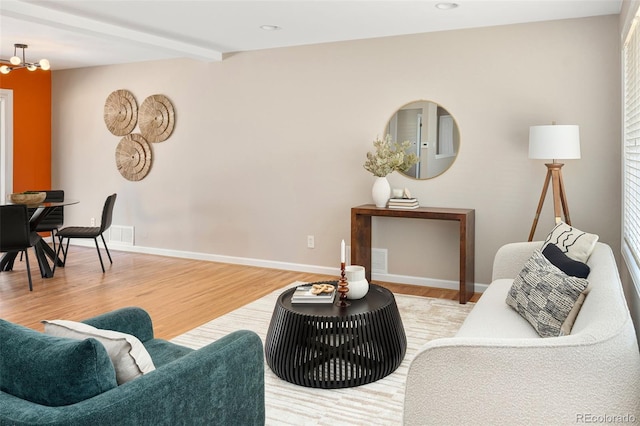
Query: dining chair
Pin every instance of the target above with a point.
(15, 234)
(88, 232)
(55, 219)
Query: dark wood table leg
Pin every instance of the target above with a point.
(467, 257)
(361, 242)
(40, 248)
(6, 263)
(51, 254)
(44, 251)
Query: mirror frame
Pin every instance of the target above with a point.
(456, 139)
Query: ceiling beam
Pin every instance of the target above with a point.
(68, 21)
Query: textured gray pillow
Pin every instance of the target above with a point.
(544, 295)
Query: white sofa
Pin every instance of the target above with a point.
(497, 370)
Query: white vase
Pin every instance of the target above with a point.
(381, 191)
(358, 284)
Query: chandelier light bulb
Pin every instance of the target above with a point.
(18, 61)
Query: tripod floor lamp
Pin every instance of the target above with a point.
(554, 142)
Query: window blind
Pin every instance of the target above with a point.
(631, 160)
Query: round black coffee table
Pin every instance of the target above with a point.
(324, 346)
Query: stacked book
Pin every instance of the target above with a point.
(403, 203)
(314, 293)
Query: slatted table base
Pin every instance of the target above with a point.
(330, 347)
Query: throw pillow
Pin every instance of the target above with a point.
(50, 370)
(577, 244)
(128, 354)
(565, 263)
(545, 296)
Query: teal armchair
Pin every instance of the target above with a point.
(219, 384)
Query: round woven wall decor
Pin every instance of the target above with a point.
(120, 112)
(156, 118)
(133, 157)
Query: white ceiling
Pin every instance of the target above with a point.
(82, 33)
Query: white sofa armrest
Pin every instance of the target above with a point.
(462, 381)
(510, 259)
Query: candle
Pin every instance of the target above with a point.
(342, 252)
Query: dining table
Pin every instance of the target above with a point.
(43, 250)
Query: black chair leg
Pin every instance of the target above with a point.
(99, 255)
(64, 252)
(26, 256)
(55, 261)
(106, 248)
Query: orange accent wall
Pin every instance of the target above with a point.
(31, 128)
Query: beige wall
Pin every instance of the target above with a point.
(269, 145)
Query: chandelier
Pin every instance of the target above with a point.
(16, 62)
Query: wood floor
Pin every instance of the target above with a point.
(179, 294)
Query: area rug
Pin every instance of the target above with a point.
(378, 403)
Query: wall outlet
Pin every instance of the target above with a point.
(93, 221)
(311, 241)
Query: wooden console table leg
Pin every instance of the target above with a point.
(467, 257)
(361, 242)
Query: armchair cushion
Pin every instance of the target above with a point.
(128, 355)
(50, 370)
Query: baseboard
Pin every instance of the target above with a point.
(425, 282)
(272, 264)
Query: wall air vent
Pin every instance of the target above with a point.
(123, 235)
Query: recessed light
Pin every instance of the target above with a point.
(270, 27)
(446, 6)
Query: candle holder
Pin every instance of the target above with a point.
(343, 289)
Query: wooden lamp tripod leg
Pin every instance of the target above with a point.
(563, 199)
(554, 174)
(540, 204)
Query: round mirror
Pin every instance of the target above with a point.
(433, 134)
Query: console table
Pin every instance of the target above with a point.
(361, 237)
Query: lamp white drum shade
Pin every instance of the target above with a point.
(554, 141)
